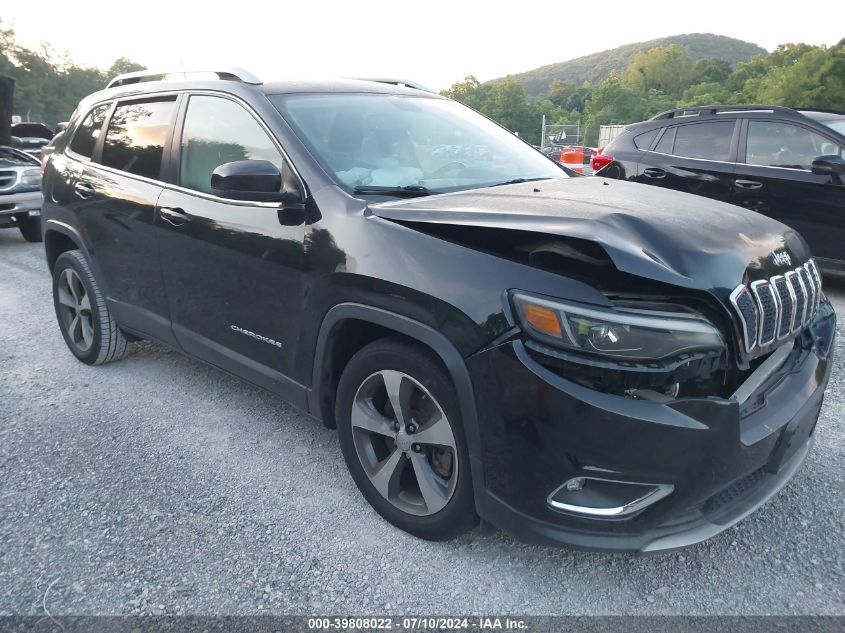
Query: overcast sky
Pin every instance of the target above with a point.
(435, 42)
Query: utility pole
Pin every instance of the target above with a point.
(543, 134)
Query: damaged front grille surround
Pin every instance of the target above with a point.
(772, 309)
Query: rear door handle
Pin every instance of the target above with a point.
(83, 190)
(176, 217)
(653, 172)
(748, 184)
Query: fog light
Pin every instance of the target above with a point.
(606, 498)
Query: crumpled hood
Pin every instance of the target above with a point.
(660, 234)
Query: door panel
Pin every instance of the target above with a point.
(234, 273)
(776, 180)
(230, 269)
(114, 209)
(812, 205)
(693, 158)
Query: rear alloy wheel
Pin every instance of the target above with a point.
(75, 310)
(84, 318)
(402, 439)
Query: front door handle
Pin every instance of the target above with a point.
(176, 217)
(84, 190)
(748, 184)
(654, 173)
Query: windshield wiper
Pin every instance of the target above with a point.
(408, 191)
(516, 181)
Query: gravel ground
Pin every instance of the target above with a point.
(160, 485)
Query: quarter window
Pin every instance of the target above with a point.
(710, 141)
(136, 135)
(666, 141)
(219, 131)
(86, 135)
(644, 140)
(775, 144)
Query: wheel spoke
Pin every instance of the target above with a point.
(434, 492)
(85, 302)
(72, 330)
(386, 478)
(87, 330)
(70, 280)
(65, 298)
(438, 432)
(365, 416)
(399, 391)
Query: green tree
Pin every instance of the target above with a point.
(611, 103)
(816, 79)
(707, 93)
(712, 71)
(667, 69)
(49, 85)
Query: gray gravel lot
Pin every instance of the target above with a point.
(160, 485)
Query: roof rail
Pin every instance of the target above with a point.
(397, 82)
(225, 74)
(717, 109)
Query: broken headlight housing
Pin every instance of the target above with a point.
(623, 335)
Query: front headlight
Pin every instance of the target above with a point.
(31, 178)
(623, 334)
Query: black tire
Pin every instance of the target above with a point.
(418, 363)
(30, 228)
(106, 341)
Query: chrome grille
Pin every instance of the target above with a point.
(8, 179)
(772, 309)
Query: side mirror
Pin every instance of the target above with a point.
(255, 180)
(830, 165)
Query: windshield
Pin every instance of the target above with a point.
(370, 141)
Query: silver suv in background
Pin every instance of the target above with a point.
(20, 193)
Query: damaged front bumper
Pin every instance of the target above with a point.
(656, 475)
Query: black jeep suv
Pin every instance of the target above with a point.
(785, 163)
(577, 360)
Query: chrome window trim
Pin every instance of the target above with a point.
(706, 160)
(660, 491)
(756, 290)
(749, 342)
(166, 185)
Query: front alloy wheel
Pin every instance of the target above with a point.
(404, 442)
(400, 429)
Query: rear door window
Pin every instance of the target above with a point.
(86, 135)
(776, 144)
(709, 141)
(136, 136)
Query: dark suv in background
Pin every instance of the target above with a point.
(577, 360)
(785, 163)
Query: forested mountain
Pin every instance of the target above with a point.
(595, 68)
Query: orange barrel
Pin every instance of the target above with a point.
(573, 159)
